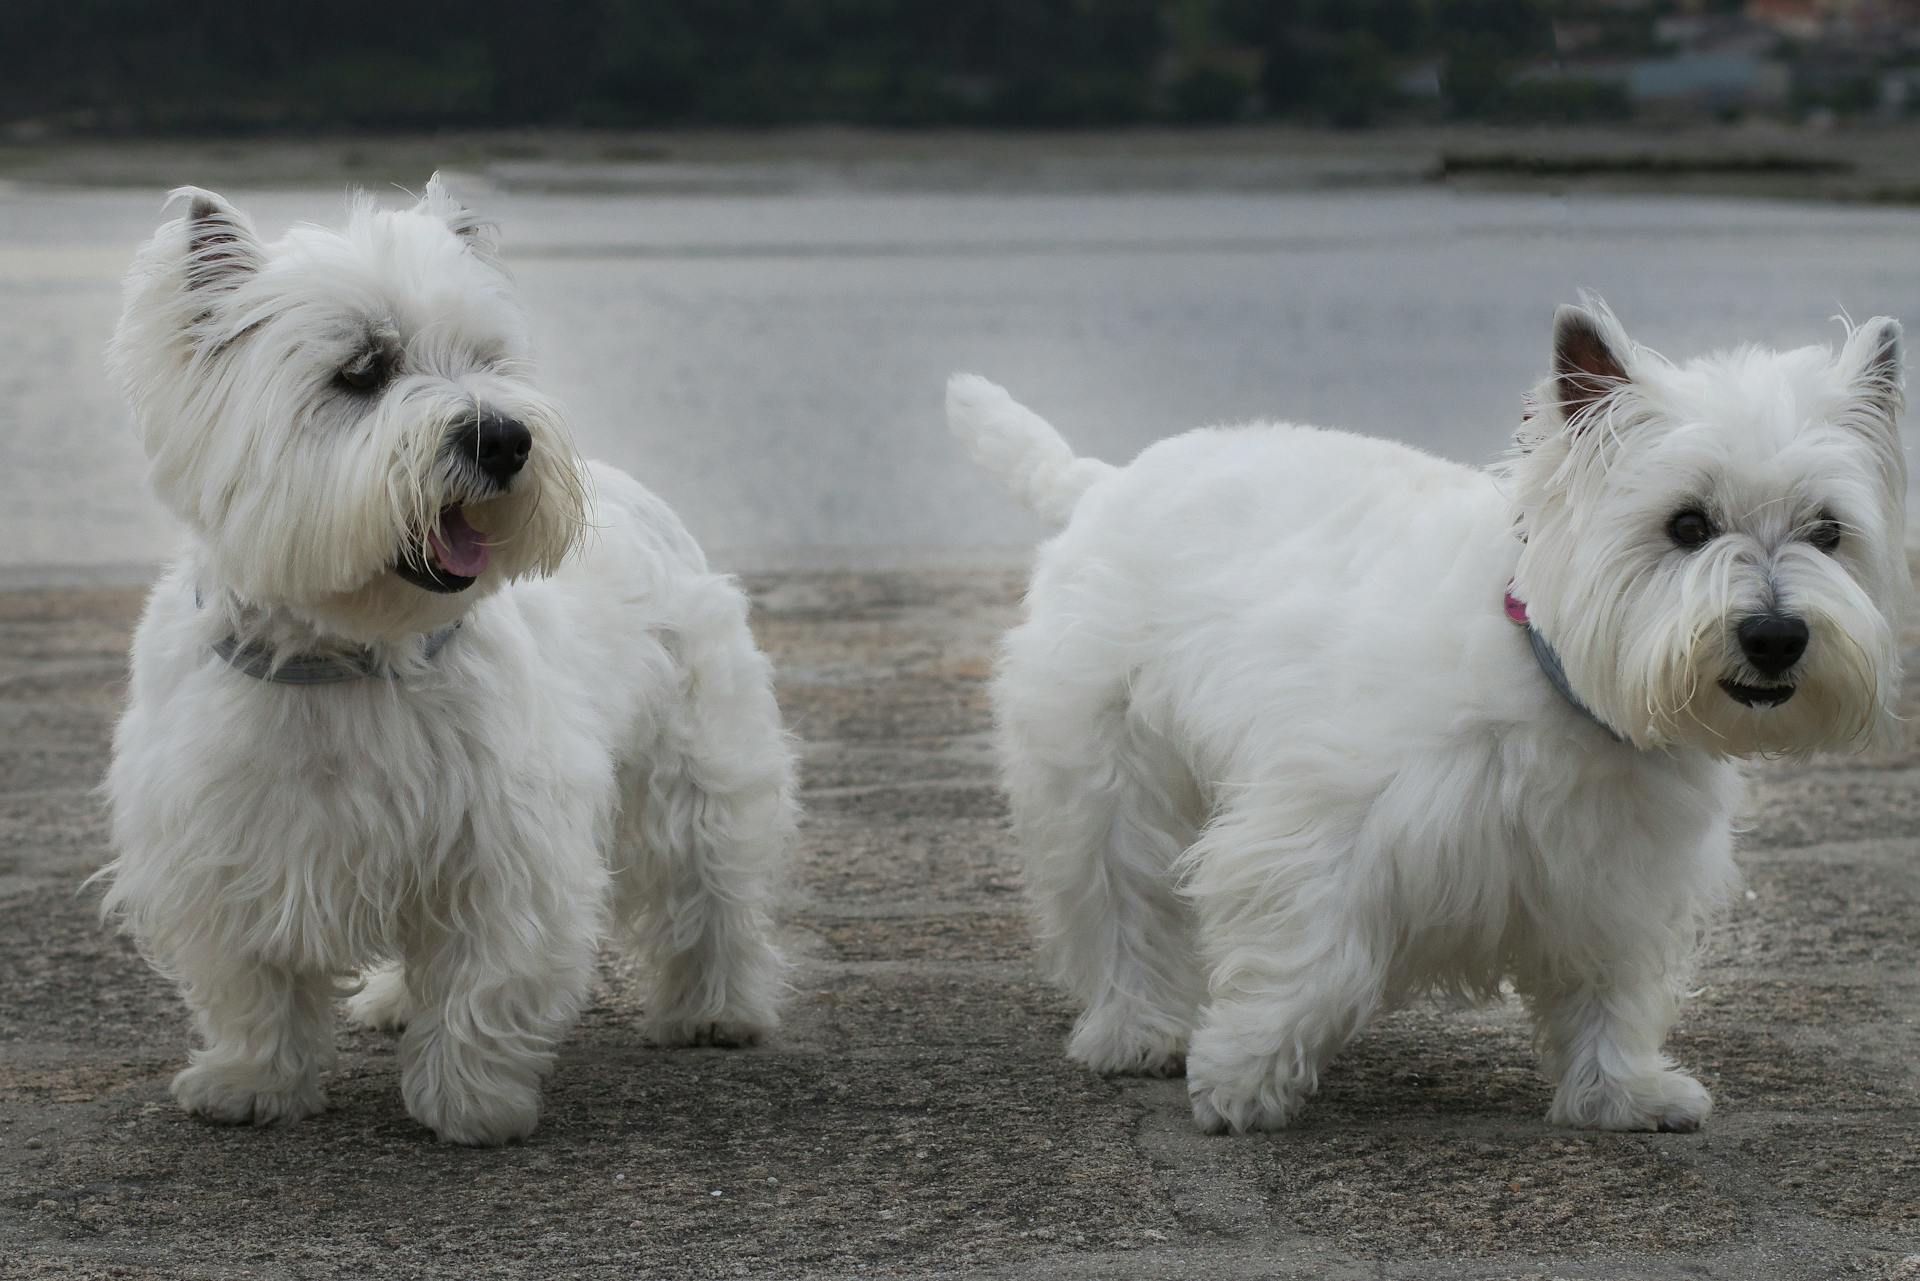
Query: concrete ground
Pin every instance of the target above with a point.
(915, 1117)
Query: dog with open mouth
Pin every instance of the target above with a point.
(426, 699)
(1301, 724)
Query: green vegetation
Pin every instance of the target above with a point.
(211, 66)
(180, 66)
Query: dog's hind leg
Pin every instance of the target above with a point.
(1297, 960)
(1102, 807)
(707, 820)
(382, 1003)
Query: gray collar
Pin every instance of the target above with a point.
(251, 659)
(1550, 665)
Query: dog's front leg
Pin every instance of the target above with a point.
(1600, 1042)
(495, 978)
(268, 1034)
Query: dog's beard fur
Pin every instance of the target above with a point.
(304, 492)
(1768, 446)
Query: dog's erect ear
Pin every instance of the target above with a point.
(1586, 365)
(221, 247)
(1871, 361)
(477, 232)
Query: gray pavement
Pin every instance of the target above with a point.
(915, 1117)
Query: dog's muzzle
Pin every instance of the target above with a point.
(1771, 644)
(496, 445)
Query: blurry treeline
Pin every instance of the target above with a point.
(202, 66)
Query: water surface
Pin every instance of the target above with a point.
(772, 363)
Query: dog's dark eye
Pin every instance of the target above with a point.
(1690, 528)
(366, 372)
(1825, 533)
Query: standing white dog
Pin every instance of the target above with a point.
(424, 692)
(1301, 723)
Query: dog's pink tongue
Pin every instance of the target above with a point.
(459, 547)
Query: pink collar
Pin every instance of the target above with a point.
(1516, 608)
(1549, 661)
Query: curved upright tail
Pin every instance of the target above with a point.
(1019, 447)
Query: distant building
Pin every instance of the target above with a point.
(1572, 36)
(1769, 57)
(1719, 81)
(1714, 32)
(1900, 92)
(1420, 82)
(1710, 83)
(1836, 20)
(1796, 19)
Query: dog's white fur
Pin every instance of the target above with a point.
(1278, 758)
(600, 730)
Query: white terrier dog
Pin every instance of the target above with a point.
(1280, 756)
(424, 692)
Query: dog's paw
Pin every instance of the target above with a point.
(1113, 1048)
(382, 1005)
(1234, 1091)
(1223, 1109)
(1669, 1101)
(730, 996)
(724, 1033)
(232, 1096)
(472, 1119)
(748, 1013)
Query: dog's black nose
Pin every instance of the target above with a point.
(497, 445)
(1773, 642)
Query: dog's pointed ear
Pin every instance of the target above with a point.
(1589, 361)
(1871, 362)
(221, 249)
(476, 232)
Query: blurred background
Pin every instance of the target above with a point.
(755, 237)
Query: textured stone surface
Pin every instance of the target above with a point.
(915, 1116)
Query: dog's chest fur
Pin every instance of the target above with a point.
(364, 800)
(1527, 853)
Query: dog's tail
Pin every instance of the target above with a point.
(1019, 447)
